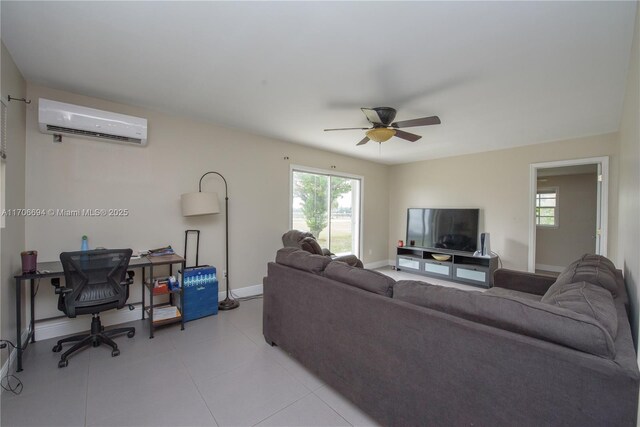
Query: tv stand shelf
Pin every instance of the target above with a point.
(461, 267)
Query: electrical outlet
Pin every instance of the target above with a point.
(224, 273)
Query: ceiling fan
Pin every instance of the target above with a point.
(383, 126)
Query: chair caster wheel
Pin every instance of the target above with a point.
(63, 363)
(131, 334)
(57, 348)
(115, 353)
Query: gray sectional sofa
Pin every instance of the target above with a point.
(532, 351)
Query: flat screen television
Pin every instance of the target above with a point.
(453, 229)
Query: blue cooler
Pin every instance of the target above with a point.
(200, 293)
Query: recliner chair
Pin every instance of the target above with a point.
(95, 282)
(307, 242)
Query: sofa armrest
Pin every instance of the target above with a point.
(522, 281)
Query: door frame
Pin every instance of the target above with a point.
(603, 200)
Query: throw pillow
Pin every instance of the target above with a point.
(311, 245)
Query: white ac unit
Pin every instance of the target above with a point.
(58, 118)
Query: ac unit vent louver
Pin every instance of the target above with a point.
(89, 134)
(58, 118)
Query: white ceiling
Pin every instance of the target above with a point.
(499, 74)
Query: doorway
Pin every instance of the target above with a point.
(568, 206)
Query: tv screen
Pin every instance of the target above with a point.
(453, 229)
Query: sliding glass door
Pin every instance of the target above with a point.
(328, 206)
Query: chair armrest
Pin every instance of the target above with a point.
(522, 281)
(60, 290)
(129, 280)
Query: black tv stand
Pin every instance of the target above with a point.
(461, 267)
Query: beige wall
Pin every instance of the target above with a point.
(12, 238)
(577, 215)
(497, 182)
(81, 173)
(629, 216)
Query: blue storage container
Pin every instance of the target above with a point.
(200, 293)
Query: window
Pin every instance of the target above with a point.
(547, 207)
(328, 206)
(3, 160)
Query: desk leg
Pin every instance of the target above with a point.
(19, 324)
(151, 303)
(144, 280)
(184, 266)
(32, 325)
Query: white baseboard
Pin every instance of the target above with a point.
(547, 267)
(247, 291)
(378, 264)
(65, 326)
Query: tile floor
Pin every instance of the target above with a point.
(218, 371)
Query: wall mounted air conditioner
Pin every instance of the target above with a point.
(58, 118)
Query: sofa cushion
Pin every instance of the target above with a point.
(592, 269)
(302, 260)
(504, 292)
(588, 299)
(311, 245)
(598, 259)
(523, 316)
(368, 280)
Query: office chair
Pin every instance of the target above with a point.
(95, 282)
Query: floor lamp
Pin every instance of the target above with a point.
(205, 204)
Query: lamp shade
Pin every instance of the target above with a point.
(199, 204)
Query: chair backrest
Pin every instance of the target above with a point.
(95, 278)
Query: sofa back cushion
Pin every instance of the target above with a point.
(302, 260)
(594, 269)
(368, 280)
(600, 260)
(588, 299)
(535, 319)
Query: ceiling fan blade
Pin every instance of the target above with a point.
(424, 121)
(364, 141)
(408, 136)
(327, 130)
(372, 115)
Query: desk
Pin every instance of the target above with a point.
(54, 269)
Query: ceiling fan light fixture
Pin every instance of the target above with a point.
(381, 134)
